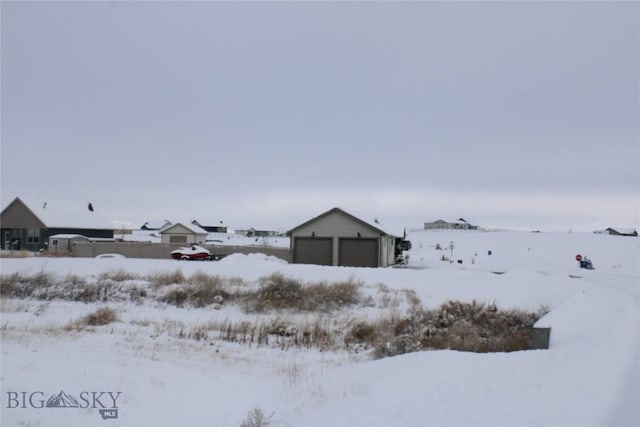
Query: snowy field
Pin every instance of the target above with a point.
(142, 370)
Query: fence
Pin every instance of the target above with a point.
(162, 250)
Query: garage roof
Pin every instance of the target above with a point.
(376, 226)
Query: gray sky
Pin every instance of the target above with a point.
(509, 114)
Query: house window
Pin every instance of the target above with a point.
(177, 239)
(33, 235)
(54, 242)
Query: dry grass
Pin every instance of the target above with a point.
(279, 292)
(201, 290)
(102, 316)
(167, 278)
(455, 325)
(22, 253)
(22, 286)
(473, 326)
(120, 275)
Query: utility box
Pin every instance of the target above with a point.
(540, 338)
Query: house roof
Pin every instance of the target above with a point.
(191, 227)
(623, 230)
(66, 214)
(208, 223)
(378, 226)
(155, 225)
(457, 221)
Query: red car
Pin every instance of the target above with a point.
(193, 253)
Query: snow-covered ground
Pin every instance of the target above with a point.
(589, 376)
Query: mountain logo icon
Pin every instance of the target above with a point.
(62, 400)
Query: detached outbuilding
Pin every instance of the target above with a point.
(339, 238)
(183, 234)
(621, 232)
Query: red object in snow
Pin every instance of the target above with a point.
(194, 253)
(578, 257)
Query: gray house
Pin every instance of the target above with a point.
(339, 238)
(459, 224)
(183, 234)
(621, 232)
(28, 223)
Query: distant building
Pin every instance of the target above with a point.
(216, 228)
(183, 234)
(261, 232)
(155, 225)
(459, 224)
(28, 223)
(619, 232)
(339, 238)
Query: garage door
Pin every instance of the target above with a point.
(358, 252)
(313, 251)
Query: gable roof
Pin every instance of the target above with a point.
(64, 214)
(155, 225)
(457, 221)
(377, 227)
(624, 231)
(191, 227)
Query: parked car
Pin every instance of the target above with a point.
(192, 253)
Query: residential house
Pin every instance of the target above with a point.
(183, 233)
(28, 223)
(459, 224)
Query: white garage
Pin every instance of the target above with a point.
(339, 238)
(183, 234)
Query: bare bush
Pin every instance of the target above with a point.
(279, 292)
(120, 275)
(102, 316)
(20, 286)
(454, 325)
(202, 290)
(9, 284)
(205, 290)
(256, 418)
(167, 278)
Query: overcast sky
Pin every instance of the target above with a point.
(509, 114)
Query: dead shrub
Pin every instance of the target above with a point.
(361, 333)
(167, 278)
(256, 418)
(20, 286)
(276, 292)
(455, 325)
(279, 292)
(176, 296)
(202, 290)
(326, 297)
(9, 284)
(205, 289)
(102, 316)
(120, 275)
